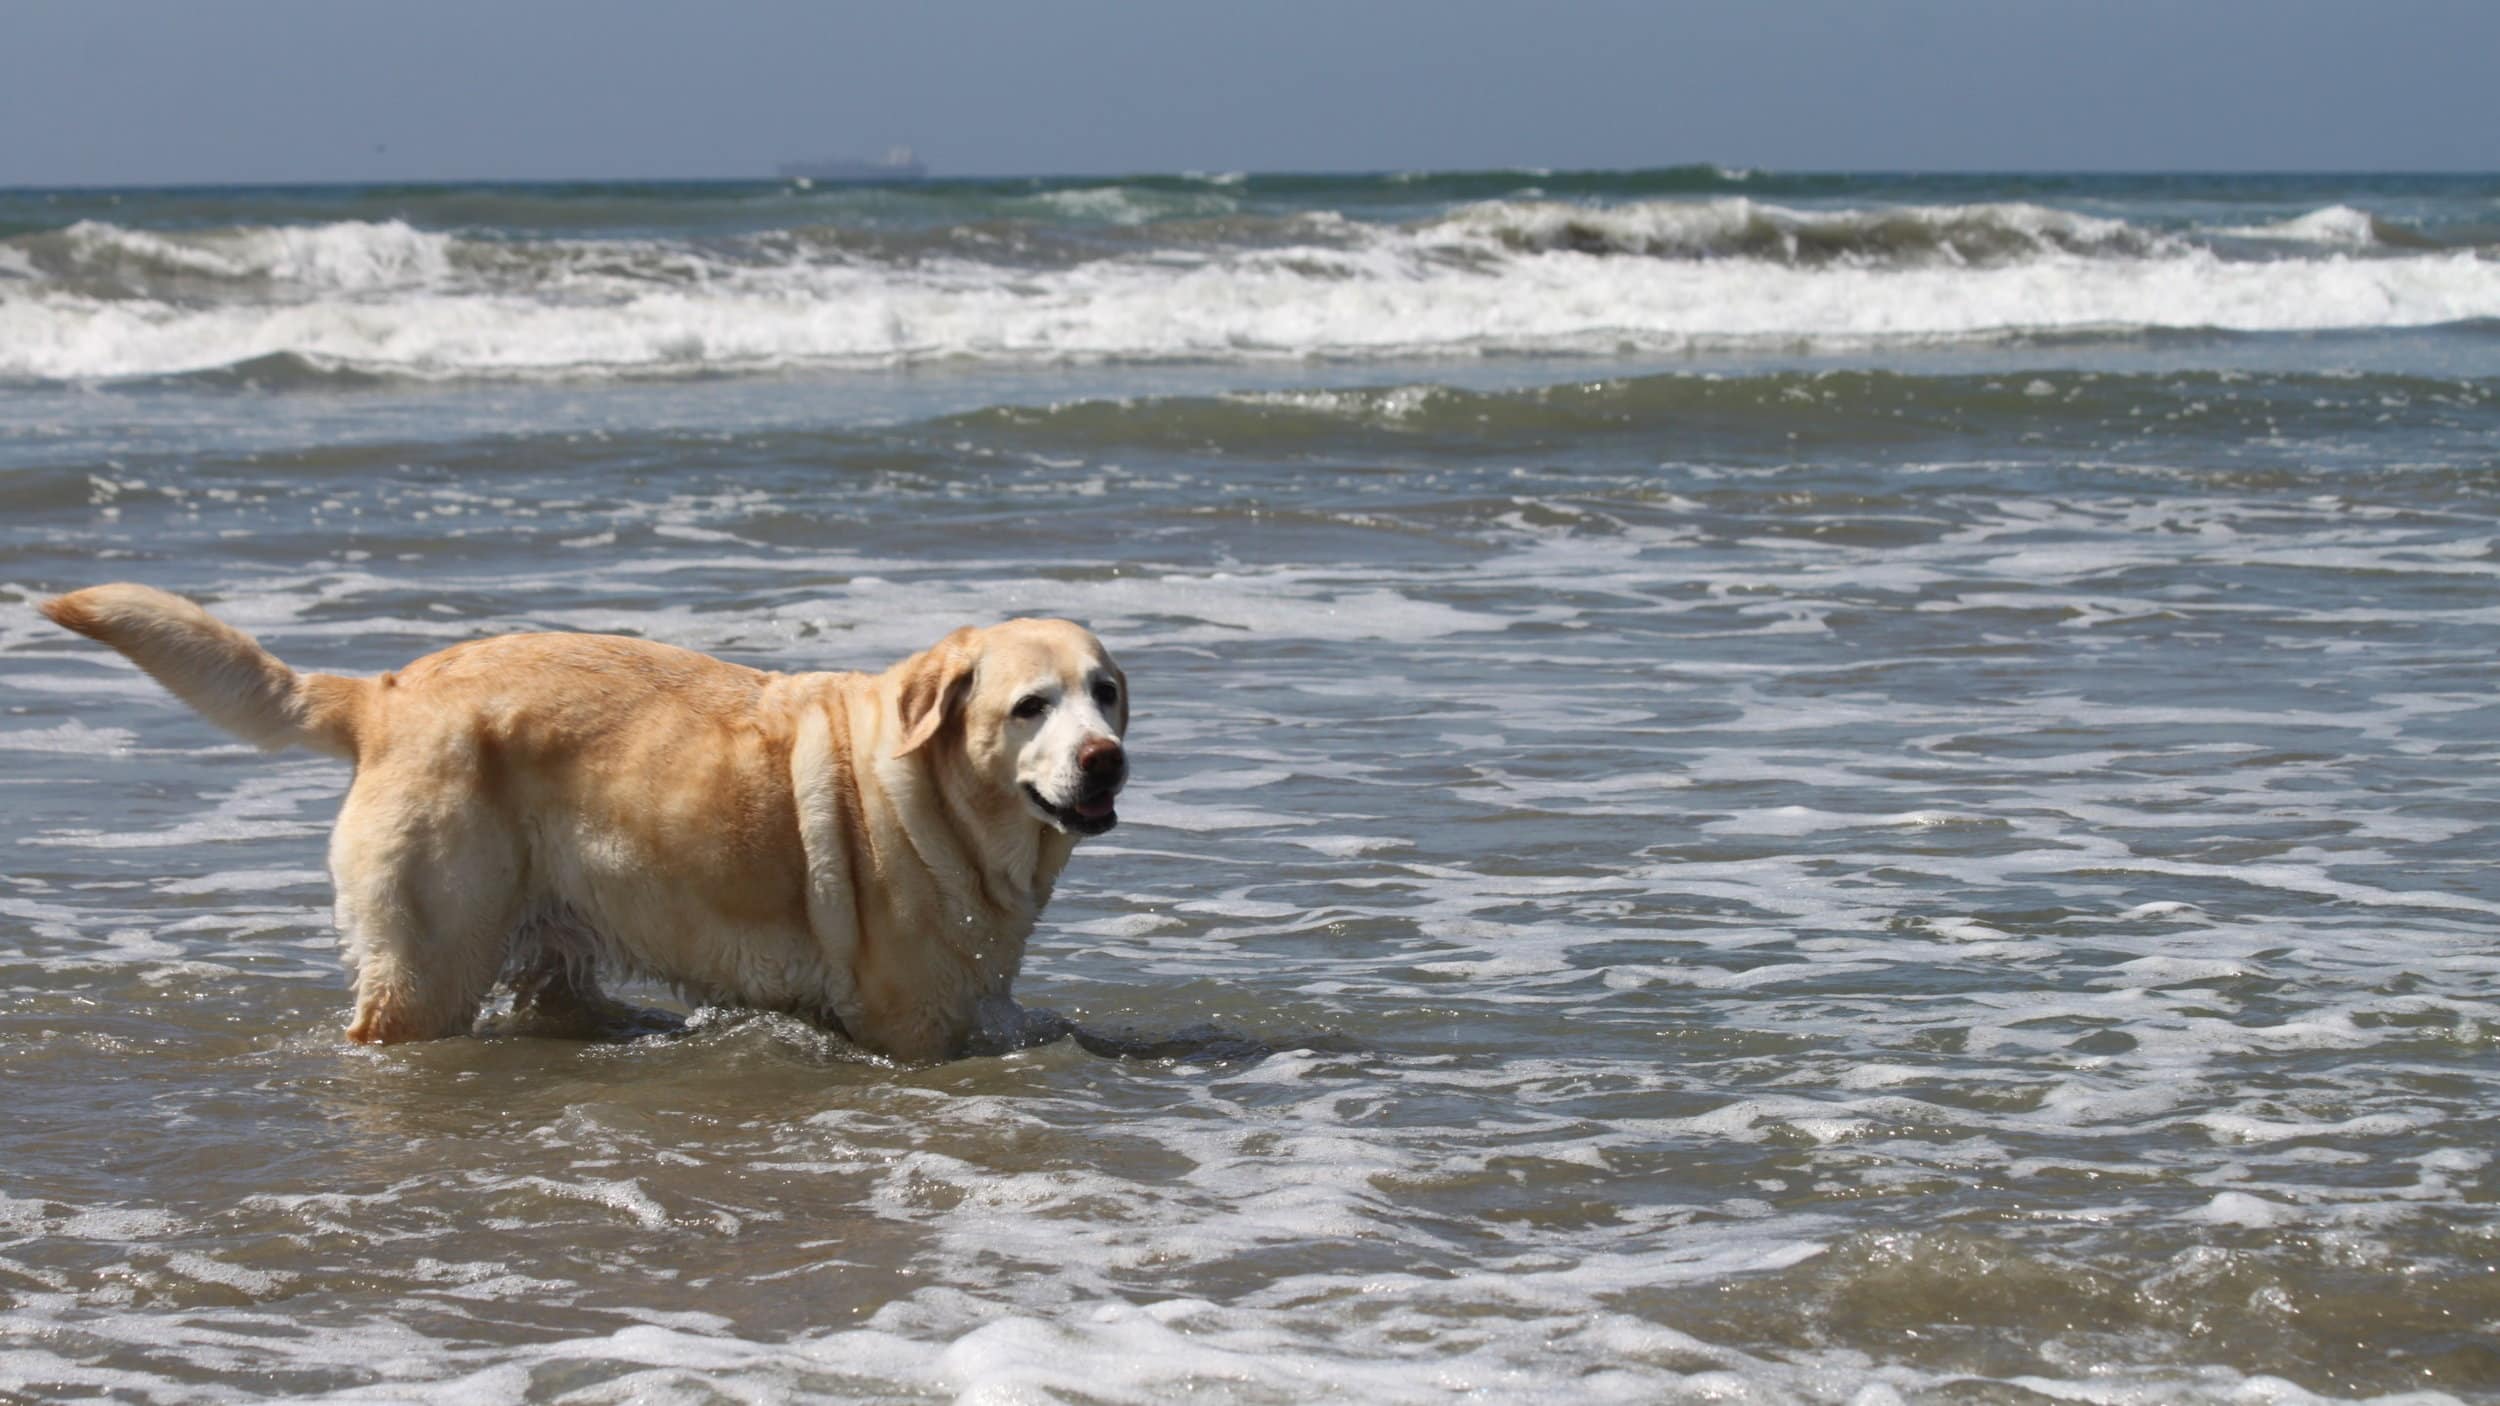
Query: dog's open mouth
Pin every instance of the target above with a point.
(1090, 815)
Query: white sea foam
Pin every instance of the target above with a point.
(72, 737)
(2336, 225)
(1130, 205)
(389, 299)
(350, 256)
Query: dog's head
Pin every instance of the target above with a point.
(1039, 708)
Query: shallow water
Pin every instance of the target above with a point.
(1947, 875)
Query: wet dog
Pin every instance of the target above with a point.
(866, 850)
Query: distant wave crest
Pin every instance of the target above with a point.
(2344, 227)
(1742, 228)
(107, 260)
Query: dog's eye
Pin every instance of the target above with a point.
(1031, 705)
(1106, 695)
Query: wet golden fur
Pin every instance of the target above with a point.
(869, 850)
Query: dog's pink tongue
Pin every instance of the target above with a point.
(1094, 810)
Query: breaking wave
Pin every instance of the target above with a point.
(1741, 228)
(1114, 273)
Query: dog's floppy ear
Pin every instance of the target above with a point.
(933, 688)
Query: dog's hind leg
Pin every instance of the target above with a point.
(428, 894)
(554, 968)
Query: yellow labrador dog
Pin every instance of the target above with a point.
(866, 850)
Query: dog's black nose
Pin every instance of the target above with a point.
(1102, 762)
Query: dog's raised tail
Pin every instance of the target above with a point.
(218, 669)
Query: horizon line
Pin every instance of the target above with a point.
(1732, 172)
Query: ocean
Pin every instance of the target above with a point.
(1749, 787)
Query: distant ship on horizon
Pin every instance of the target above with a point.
(898, 164)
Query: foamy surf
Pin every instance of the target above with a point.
(1189, 276)
(1744, 228)
(1297, 305)
(2338, 226)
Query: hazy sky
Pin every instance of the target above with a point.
(140, 91)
